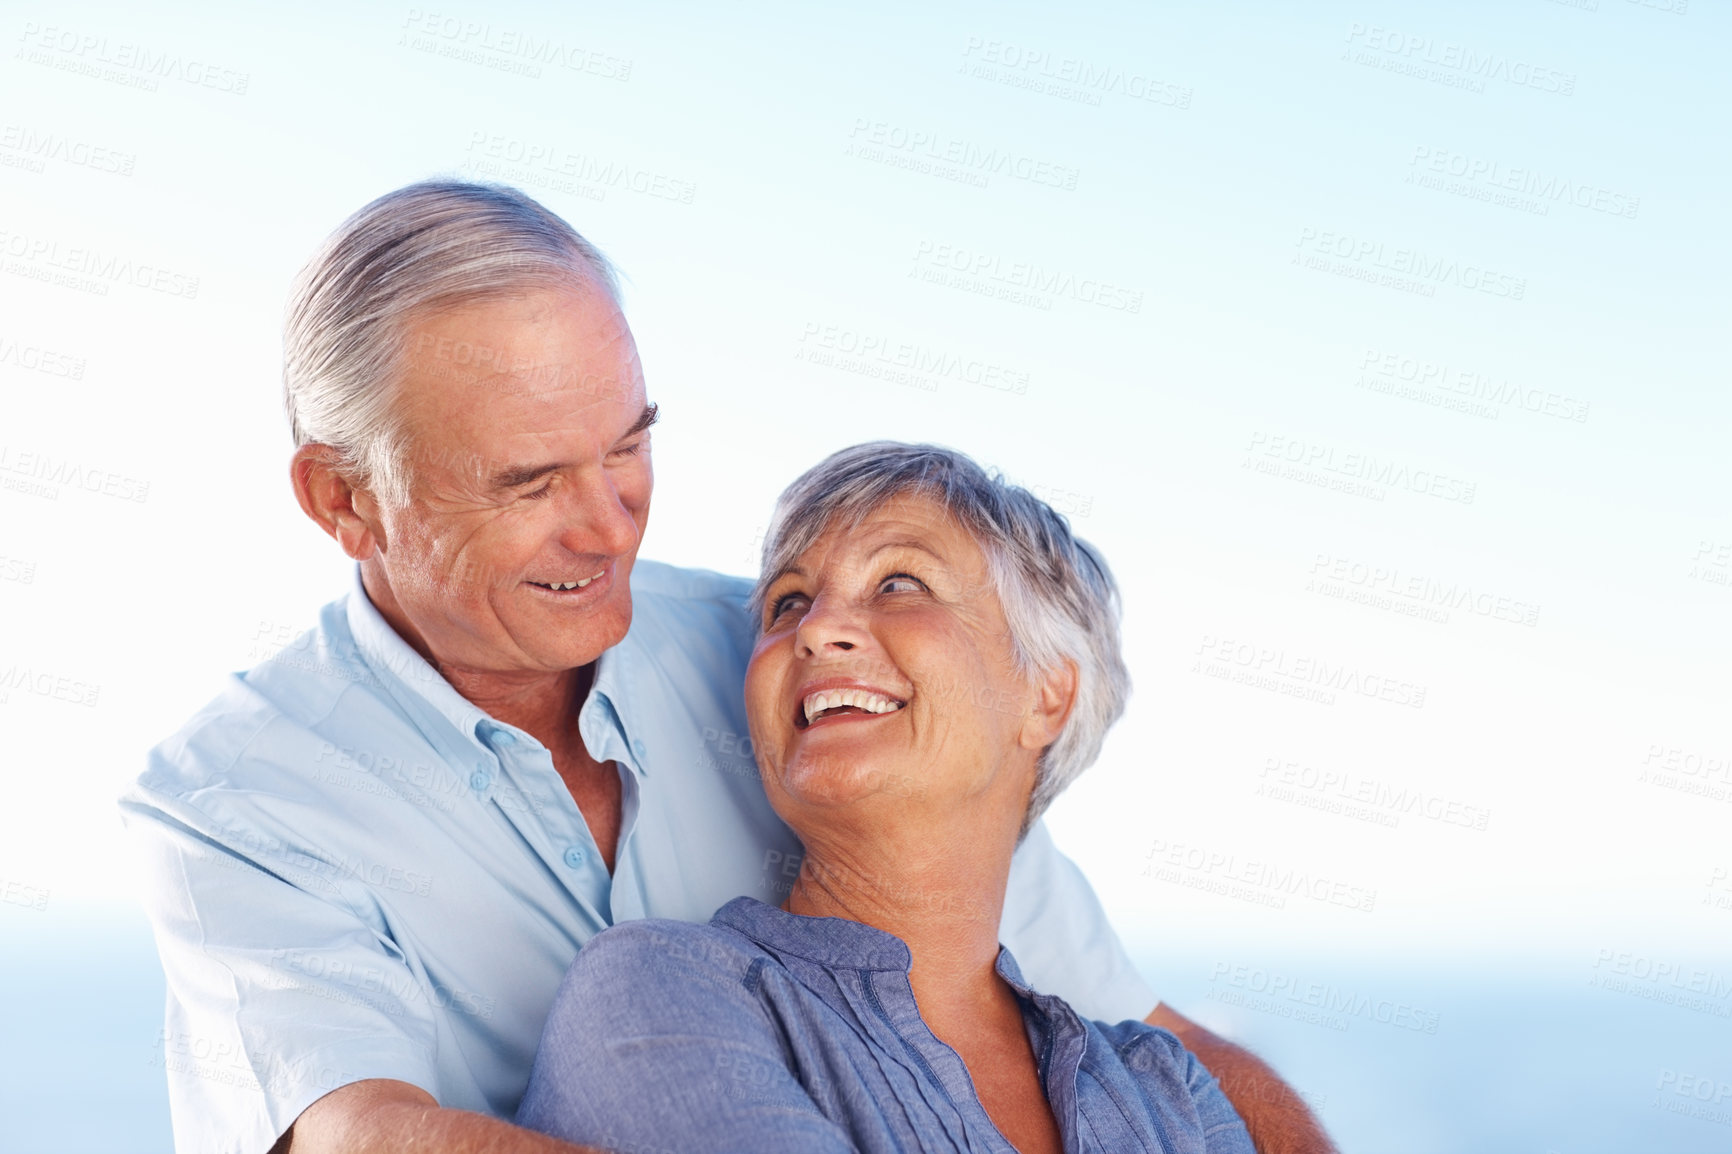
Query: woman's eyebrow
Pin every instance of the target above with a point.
(905, 543)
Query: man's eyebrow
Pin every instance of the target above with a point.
(519, 475)
(644, 420)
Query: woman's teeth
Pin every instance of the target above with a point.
(862, 699)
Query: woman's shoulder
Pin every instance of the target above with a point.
(650, 947)
(1132, 1036)
(652, 976)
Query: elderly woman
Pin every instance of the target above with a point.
(939, 657)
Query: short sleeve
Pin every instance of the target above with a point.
(276, 996)
(657, 1042)
(1224, 1131)
(1185, 1104)
(1060, 936)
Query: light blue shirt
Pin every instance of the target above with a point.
(353, 872)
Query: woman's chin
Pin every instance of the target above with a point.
(822, 783)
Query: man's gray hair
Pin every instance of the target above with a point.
(1058, 595)
(410, 253)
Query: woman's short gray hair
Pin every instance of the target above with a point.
(427, 246)
(1058, 595)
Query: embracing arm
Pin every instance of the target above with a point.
(380, 1116)
(1278, 1119)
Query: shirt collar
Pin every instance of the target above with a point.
(601, 719)
(841, 943)
(418, 687)
(407, 675)
(837, 942)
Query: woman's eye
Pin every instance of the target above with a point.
(900, 583)
(785, 604)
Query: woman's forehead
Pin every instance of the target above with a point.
(914, 523)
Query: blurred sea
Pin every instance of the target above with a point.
(1395, 1062)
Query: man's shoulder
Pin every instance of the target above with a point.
(680, 584)
(287, 694)
(692, 615)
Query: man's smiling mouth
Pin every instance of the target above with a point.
(563, 586)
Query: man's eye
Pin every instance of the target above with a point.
(900, 583)
(630, 450)
(539, 493)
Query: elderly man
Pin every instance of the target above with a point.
(371, 859)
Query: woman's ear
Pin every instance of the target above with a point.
(1055, 696)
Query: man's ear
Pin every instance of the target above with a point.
(1055, 696)
(348, 513)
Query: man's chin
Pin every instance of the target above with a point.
(570, 640)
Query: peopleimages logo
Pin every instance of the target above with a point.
(1545, 188)
(1406, 264)
(47, 473)
(121, 61)
(1301, 675)
(37, 359)
(1258, 882)
(44, 258)
(1019, 281)
(1271, 988)
(886, 143)
(1427, 58)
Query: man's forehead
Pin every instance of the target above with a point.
(507, 383)
(539, 343)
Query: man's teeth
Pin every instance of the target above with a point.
(862, 699)
(563, 585)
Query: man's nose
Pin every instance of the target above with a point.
(831, 624)
(597, 522)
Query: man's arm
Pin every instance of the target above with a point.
(1279, 1120)
(379, 1116)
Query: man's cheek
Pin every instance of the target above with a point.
(483, 562)
(636, 490)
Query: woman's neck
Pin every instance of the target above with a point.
(940, 891)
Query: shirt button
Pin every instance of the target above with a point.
(504, 737)
(574, 857)
(637, 747)
(480, 779)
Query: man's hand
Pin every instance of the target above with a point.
(380, 1116)
(1278, 1119)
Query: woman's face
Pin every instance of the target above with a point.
(885, 678)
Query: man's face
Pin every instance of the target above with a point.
(529, 475)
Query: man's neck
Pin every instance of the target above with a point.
(544, 705)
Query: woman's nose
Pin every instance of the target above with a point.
(831, 624)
